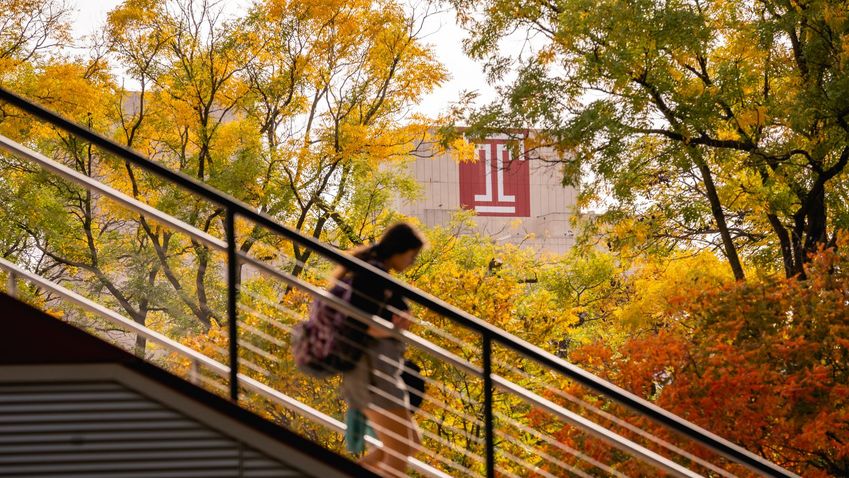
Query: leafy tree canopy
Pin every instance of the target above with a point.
(699, 122)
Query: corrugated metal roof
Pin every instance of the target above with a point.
(91, 429)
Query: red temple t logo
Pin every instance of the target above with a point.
(496, 184)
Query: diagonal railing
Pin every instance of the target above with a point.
(488, 366)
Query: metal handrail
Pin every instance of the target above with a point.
(488, 332)
(322, 294)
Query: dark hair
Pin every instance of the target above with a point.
(397, 239)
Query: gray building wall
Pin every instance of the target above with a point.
(546, 229)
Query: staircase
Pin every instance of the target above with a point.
(495, 404)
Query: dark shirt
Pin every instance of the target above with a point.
(370, 296)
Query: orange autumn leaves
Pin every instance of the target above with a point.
(762, 363)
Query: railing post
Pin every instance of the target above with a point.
(194, 373)
(232, 297)
(12, 285)
(487, 406)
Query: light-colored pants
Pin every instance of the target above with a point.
(377, 379)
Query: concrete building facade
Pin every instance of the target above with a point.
(517, 194)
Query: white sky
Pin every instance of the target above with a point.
(440, 30)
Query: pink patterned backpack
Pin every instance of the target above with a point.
(320, 345)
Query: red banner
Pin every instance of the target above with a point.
(496, 184)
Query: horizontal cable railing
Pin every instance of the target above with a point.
(488, 361)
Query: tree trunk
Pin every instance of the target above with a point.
(815, 233)
(719, 217)
(809, 229)
(786, 246)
